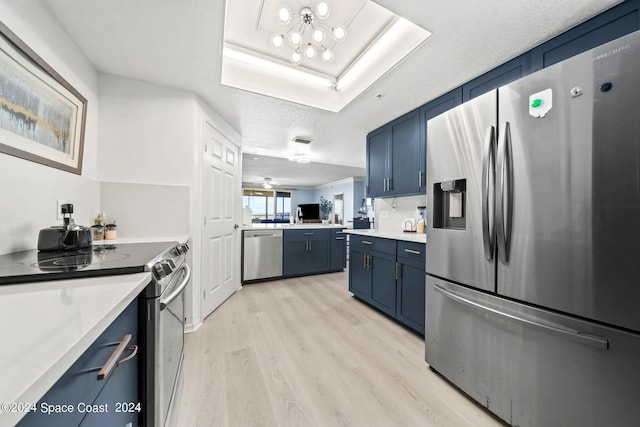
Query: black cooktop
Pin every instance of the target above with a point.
(99, 260)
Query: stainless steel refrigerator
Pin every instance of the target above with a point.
(533, 243)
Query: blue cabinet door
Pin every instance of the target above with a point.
(405, 155)
(499, 76)
(318, 251)
(378, 155)
(294, 255)
(118, 399)
(338, 250)
(411, 294)
(359, 274)
(615, 22)
(383, 282)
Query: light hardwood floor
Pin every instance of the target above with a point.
(304, 352)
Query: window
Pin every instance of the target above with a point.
(268, 205)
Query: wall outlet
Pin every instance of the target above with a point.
(384, 214)
(59, 203)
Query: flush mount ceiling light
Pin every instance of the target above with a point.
(267, 183)
(308, 35)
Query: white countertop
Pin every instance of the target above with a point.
(291, 226)
(48, 325)
(124, 239)
(399, 235)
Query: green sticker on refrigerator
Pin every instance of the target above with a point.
(540, 103)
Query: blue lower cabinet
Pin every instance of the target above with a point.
(79, 392)
(306, 251)
(390, 278)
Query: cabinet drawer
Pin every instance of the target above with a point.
(387, 246)
(80, 383)
(411, 250)
(308, 234)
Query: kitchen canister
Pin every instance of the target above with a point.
(110, 231)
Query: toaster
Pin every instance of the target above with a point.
(66, 237)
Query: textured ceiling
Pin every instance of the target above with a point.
(178, 43)
(292, 175)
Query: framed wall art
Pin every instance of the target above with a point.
(42, 117)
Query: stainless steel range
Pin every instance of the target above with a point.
(164, 340)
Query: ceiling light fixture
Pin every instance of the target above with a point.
(267, 183)
(308, 36)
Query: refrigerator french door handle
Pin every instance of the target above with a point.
(577, 336)
(488, 176)
(504, 185)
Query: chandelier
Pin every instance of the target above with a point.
(308, 35)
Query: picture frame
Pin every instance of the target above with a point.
(42, 117)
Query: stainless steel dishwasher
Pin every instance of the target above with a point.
(262, 254)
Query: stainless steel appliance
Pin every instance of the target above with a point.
(261, 254)
(533, 231)
(164, 338)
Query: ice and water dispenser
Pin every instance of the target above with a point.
(449, 204)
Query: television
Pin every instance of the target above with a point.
(310, 211)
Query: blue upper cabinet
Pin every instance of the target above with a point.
(378, 156)
(396, 152)
(499, 76)
(393, 158)
(615, 22)
(405, 151)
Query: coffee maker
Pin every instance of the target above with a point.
(65, 237)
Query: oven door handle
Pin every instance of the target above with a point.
(173, 295)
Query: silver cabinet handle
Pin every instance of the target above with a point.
(366, 242)
(411, 251)
(488, 177)
(581, 337)
(309, 245)
(505, 192)
(397, 274)
(306, 245)
(113, 359)
(309, 234)
(339, 238)
(364, 261)
(164, 302)
(419, 179)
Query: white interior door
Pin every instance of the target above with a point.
(221, 199)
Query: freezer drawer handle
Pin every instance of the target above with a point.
(173, 295)
(581, 337)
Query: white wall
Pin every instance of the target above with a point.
(147, 132)
(29, 190)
